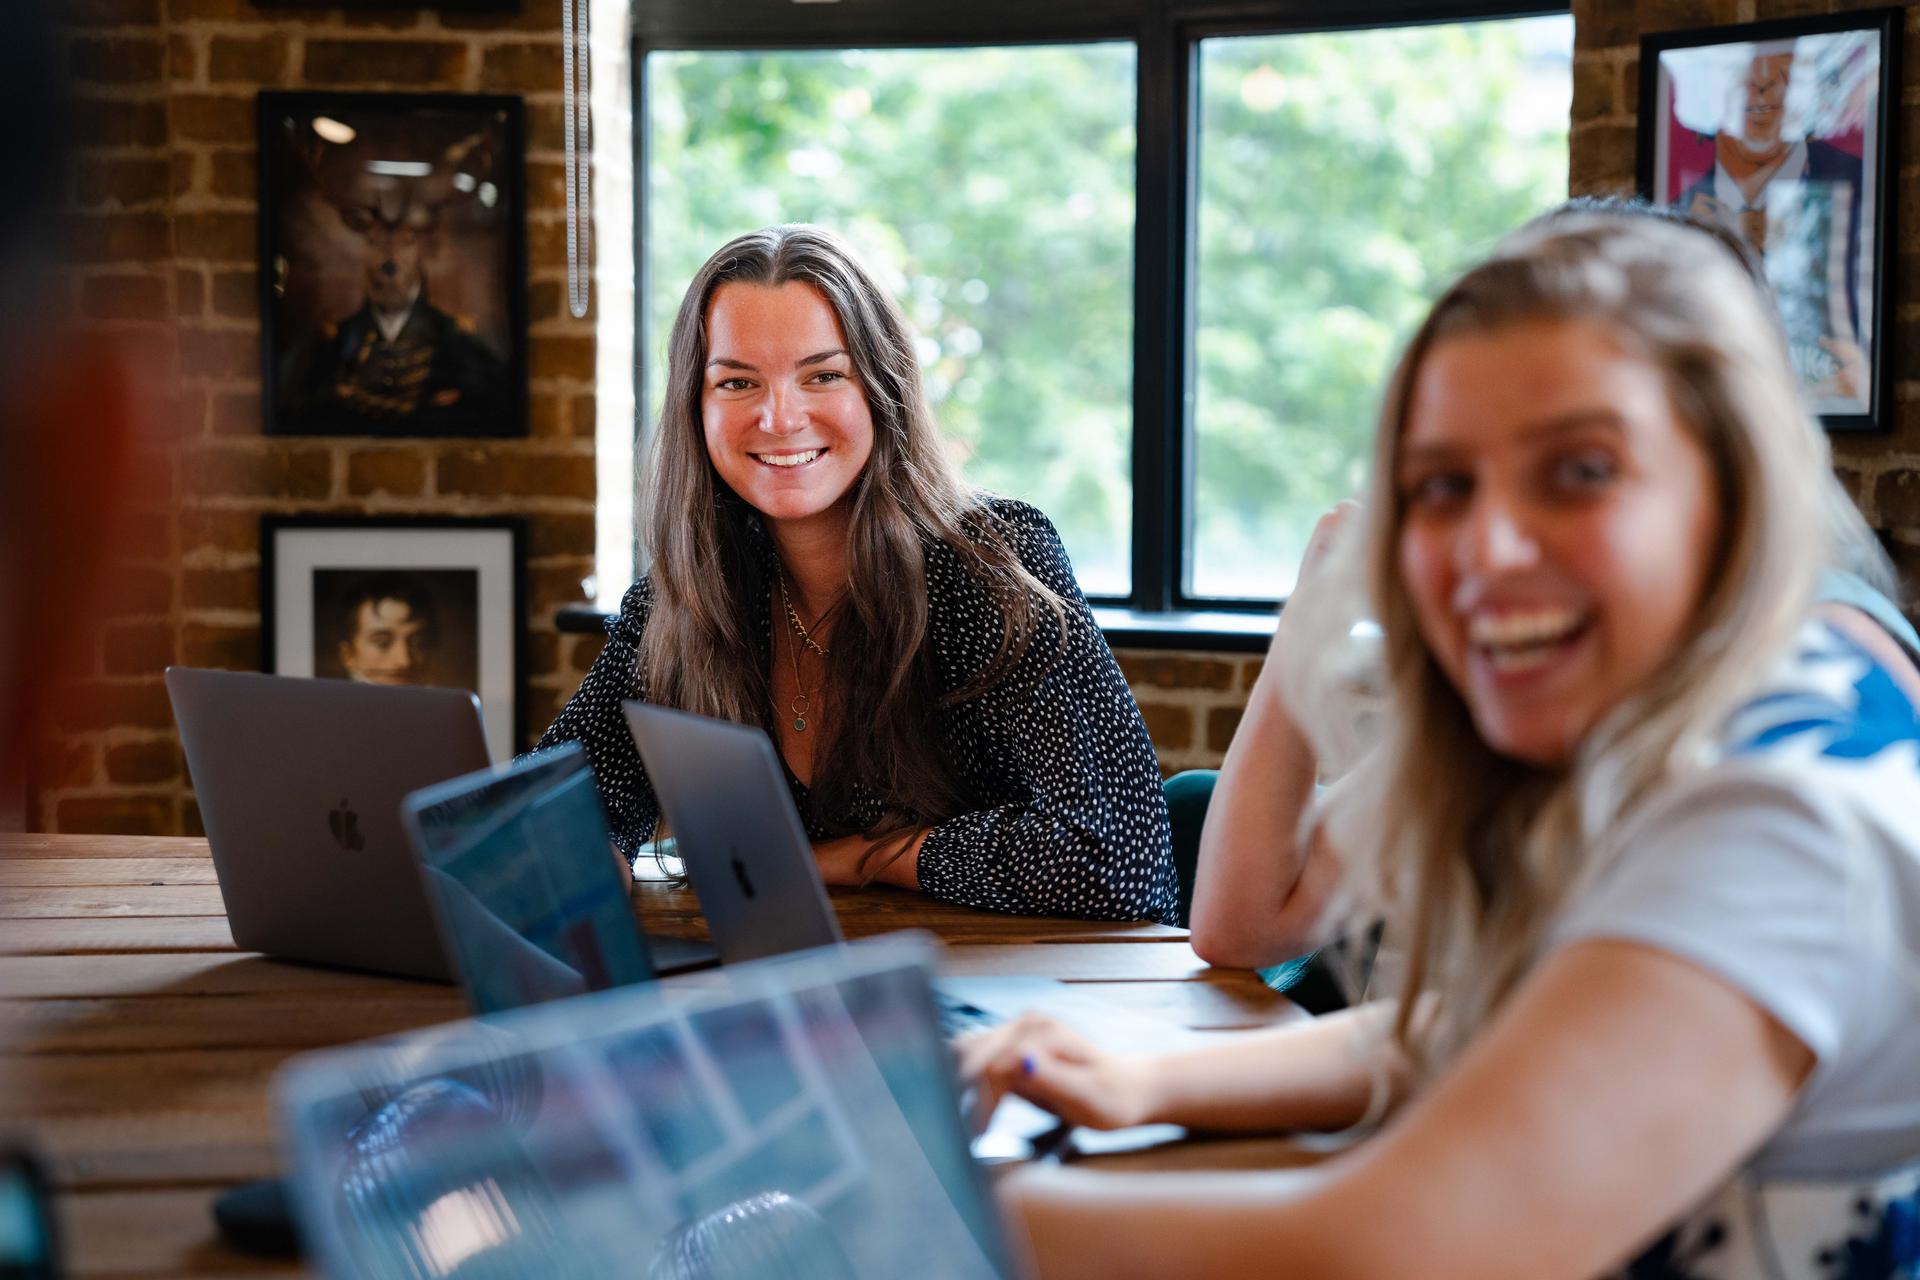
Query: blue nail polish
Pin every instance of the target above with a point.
(1027, 1065)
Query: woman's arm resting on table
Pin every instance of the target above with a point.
(857, 861)
(1618, 1086)
(1318, 1073)
(1258, 895)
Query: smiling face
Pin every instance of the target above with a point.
(1558, 518)
(1764, 100)
(785, 418)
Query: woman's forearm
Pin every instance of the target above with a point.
(1323, 1074)
(1245, 909)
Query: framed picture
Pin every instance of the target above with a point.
(436, 6)
(413, 601)
(1784, 132)
(393, 264)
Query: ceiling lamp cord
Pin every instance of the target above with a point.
(575, 54)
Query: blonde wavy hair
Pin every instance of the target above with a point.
(1468, 854)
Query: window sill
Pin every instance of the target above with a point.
(1124, 628)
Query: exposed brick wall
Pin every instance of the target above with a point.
(1881, 471)
(164, 249)
(1191, 701)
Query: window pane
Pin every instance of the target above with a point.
(990, 189)
(1344, 178)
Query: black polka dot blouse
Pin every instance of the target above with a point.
(1070, 817)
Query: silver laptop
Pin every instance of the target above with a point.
(800, 1121)
(725, 794)
(746, 853)
(531, 897)
(299, 784)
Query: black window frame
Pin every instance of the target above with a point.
(1166, 35)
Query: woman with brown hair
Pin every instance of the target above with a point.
(950, 717)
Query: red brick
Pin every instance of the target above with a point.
(487, 472)
(117, 237)
(118, 60)
(138, 649)
(89, 706)
(235, 413)
(275, 472)
(220, 353)
(1250, 673)
(581, 417)
(208, 117)
(236, 295)
(546, 301)
(220, 237)
(414, 63)
(522, 68)
(232, 59)
(130, 592)
(1601, 159)
(398, 20)
(1173, 672)
(542, 16)
(202, 529)
(1221, 722)
(235, 175)
(546, 126)
(190, 820)
(190, 293)
(220, 589)
(1896, 496)
(183, 59)
(543, 652)
(124, 298)
(185, 172)
(584, 650)
(66, 764)
(220, 10)
(227, 648)
(556, 585)
(137, 764)
(118, 124)
(119, 182)
(116, 815)
(549, 535)
(562, 358)
(1170, 727)
(146, 534)
(1593, 87)
(544, 415)
(546, 185)
(399, 472)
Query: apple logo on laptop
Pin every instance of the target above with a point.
(345, 825)
(740, 874)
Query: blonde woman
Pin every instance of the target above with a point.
(1646, 837)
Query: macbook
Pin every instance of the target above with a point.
(800, 1121)
(529, 892)
(299, 783)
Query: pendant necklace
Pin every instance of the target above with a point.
(801, 702)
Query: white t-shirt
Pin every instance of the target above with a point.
(1790, 868)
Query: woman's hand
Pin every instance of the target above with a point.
(1053, 1066)
(855, 861)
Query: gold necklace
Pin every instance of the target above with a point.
(801, 703)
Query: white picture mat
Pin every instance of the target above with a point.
(298, 553)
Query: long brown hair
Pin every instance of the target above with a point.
(711, 553)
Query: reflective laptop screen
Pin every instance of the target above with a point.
(801, 1125)
(531, 902)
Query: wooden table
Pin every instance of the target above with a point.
(137, 1044)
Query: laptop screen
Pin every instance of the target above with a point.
(802, 1122)
(531, 902)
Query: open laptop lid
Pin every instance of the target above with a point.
(801, 1121)
(725, 796)
(530, 896)
(299, 783)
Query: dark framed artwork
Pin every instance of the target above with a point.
(401, 601)
(1785, 133)
(435, 6)
(393, 264)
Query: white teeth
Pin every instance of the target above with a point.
(788, 459)
(1523, 629)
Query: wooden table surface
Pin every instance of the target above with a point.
(137, 1044)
